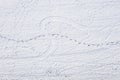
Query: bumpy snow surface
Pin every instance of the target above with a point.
(59, 39)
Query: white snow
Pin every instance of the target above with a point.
(59, 40)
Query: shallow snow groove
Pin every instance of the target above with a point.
(63, 36)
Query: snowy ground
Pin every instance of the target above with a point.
(59, 40)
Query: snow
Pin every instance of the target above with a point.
(59, 39)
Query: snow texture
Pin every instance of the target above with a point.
(59, 39)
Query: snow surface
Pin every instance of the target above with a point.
(59, 39)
